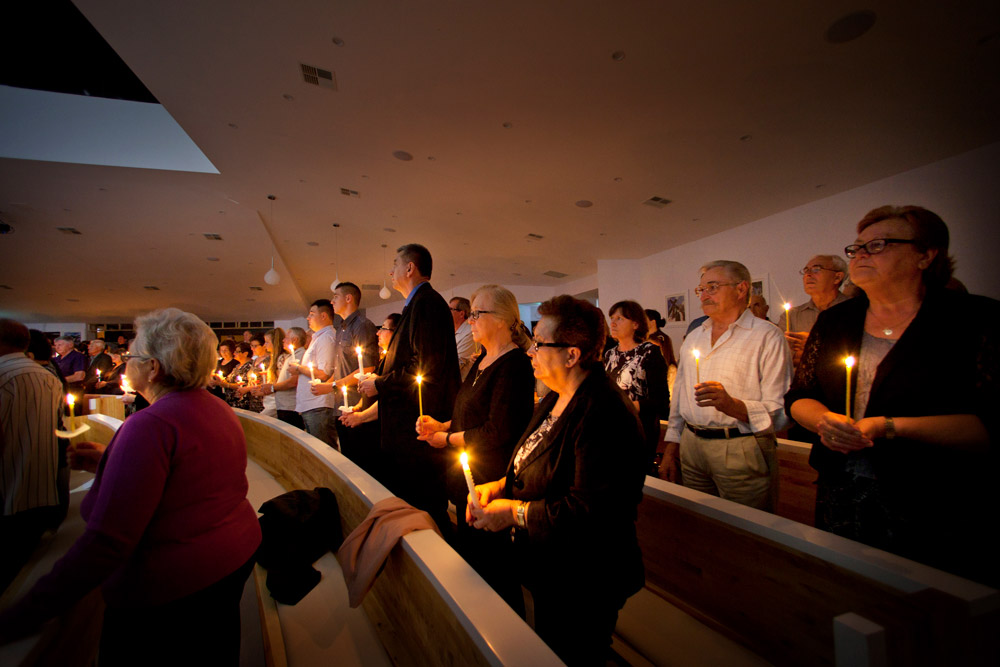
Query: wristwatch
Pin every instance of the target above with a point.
(522, 519)
(890, 428)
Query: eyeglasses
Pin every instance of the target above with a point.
(814, 270)
(137, 357)
(386, 329)
(535, 344)
(711, 288)
(474, 315)
(874, 247)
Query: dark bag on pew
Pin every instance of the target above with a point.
(298, 528)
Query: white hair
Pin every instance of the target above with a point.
(183, 344)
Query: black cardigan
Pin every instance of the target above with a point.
(493, 411)
(584, 481)
(945, 363)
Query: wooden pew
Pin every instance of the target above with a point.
(779, 587)
(428, 606)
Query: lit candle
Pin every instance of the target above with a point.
(849, 363)
(788, 326)
(126, 387)
(263, 373)
(98, 374)
(464, 458)
(252, 377)
(420, 396)
(312, 371)
(361, 363)
(71, 399)
(697, 366)
(343, 389)
(291, 350)
(239, 379)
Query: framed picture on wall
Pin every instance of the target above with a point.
(676, 311)
(757, 287)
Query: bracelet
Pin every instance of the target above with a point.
(890, 428)
(522, 509)
(447, 438)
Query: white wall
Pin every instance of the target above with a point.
(62, 327)
(963, 190)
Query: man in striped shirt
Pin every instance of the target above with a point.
(29, 457)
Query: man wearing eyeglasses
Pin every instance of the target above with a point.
(822, 277)
(460, 309)
(727, 404)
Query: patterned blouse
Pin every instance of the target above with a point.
(247, 401)
(532, 441)
(629, 369)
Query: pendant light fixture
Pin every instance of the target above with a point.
(385, 293)
(272, 277)
(336, 255)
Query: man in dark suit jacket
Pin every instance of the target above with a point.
(99, 361)
(422, 345)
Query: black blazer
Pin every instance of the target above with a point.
(584, 481)
(423, 344)
(946, 362)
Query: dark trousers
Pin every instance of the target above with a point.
(19, 535)
(492, 556)
(291, 417)
(361, 445)
(202, 628)
(576, 621)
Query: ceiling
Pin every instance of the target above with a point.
(512, 113)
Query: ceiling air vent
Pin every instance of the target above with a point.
(657, 202)
(533, 237)
(213, 237)
(319, 77)
(370, 286)
(254, 288)
(347, 192)
(151, 288)
(73, 231)
(555, 274)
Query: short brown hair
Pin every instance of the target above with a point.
(578, 323)
(929, 231)
(631, 310)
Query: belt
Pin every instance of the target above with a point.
(717, 433)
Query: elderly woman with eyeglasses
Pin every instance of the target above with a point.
(571, 490)
(492, 409)
(908, 467)
(170, 533)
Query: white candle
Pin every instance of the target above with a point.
(361, 363)
(343, 389)
(98, 374)
(312, 372)
(697, 366)
(849, 363)
(788, 326)
(464, 458)
(71, 399)
(420, 396)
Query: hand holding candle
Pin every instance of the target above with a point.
(344, 408)
(464, 458)
(788, 326)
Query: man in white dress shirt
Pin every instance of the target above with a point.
(727, 406)
(467, 348)
(319, 413)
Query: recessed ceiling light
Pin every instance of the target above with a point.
(388, 229)
(402, 155)
(337, 41)
(364, 175)
(431, 158)
(151, 288)
(212, 259)
(508, 125)
(533, 237)
(555, 274)
(73, 300)
(312, 243)
(820, 185)
(517, 274)
(746, 137)
(213, 237)
(850, 27)
(618, 56)
(72, 231)
(618, 179)
(288, 98)
(584, 203)
(254, 288)
(234, 126)
(657, 202)
(527, 201)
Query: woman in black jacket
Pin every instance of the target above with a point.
(572, 489)
(492, 409)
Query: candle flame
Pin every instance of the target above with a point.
(420, 379)
(291, 348)
(696, 353)
(262, 367)
(71, 399)
(464, 458)
(310, 365)
(849, 362)
(343, 388)
(239, 378)
(788, 306)
(358, 349)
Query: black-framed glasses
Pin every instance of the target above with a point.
(138, 357)
(386, 329)
(815, 269)
(711, 288)
(874, 247)
(474, 315)
(535, 344)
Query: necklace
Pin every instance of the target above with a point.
(888, 330)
